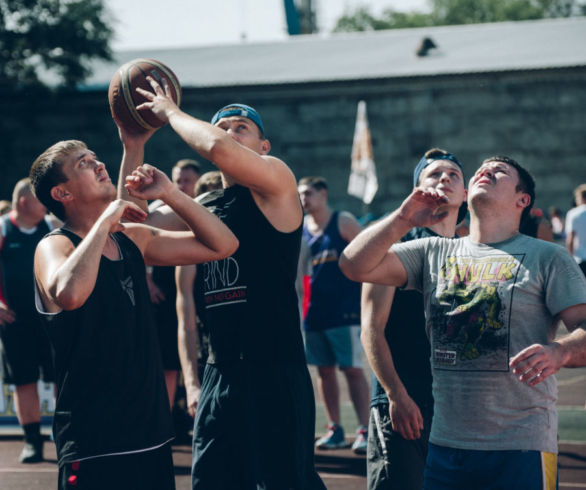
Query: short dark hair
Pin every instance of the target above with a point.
(46, 172)
(190, 164)
(526, 182)
(317, 182)
(210, 181)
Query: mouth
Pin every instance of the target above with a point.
(483, 180)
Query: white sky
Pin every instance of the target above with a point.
(172, 23)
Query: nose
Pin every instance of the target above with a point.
(444, 177)
(485, 171)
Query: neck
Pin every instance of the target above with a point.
(321, 217)
(446, 227)
(25, 221)
(492, 228)
(82, 222)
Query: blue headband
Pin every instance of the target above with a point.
(239, 110)
(424, 162)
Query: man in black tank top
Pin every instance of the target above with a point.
(256, 392)
(24, 346)
(112, 423)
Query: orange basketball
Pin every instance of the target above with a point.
(124, 98)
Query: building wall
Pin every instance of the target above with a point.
(538, 118)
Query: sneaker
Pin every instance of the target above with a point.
(31, 453)
(359, 446)
(334, 439)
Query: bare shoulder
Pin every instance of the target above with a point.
(280, 204)
(54, 245)
(348, 225)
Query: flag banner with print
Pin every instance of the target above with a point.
(363, 182)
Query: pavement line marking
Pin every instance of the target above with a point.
(572, 485)
(28, 470)
(571, 381)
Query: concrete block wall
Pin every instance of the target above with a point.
(537, 117)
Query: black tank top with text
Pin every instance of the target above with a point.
(250, 299)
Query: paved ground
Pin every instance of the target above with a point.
(340, 470)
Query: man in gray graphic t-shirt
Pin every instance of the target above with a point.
(493, 301)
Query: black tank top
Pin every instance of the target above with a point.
(111, 389)
(16, 267)
(250, 299)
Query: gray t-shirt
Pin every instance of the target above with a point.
(483, 305)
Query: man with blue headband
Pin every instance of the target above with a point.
(397, 347)
(493, 303)
(256, 393)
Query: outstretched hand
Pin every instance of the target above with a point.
(423, 207)
(147, 182)
(159, 100)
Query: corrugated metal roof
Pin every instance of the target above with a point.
(473, 48)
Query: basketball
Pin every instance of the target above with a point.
(124, 98)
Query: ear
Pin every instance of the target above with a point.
(524, 200)
(61, 194)
(265, 147)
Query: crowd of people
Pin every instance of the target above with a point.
(242, 277)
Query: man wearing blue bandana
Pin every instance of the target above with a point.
(256, 393)
(396, 344)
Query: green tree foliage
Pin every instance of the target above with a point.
(56, 36)
(450, 12)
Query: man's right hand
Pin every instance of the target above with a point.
(192, 399)
(406, 417)
(422, 208)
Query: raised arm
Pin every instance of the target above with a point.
(537, 362)
(66, 275)
(239, 153)
(369, 258)
(187, 337)
(405, 415)
(209, 239)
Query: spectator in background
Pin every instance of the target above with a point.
(161, 283)
(193, 335)
(576, 227)
(535, 224)
(24, 345)
(5, 206)
(557, 224)
(332, 322)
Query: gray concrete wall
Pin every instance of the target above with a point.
(538, 118)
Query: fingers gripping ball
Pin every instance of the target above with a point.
(124, 98)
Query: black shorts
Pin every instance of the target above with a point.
(147, 470)
(254, 428)
(394, 463)
(26, 353)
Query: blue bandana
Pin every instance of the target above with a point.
(424, 162)
(239, 110)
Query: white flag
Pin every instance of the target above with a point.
(363, 182)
